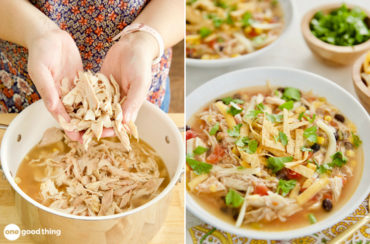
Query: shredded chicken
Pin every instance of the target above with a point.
(93, 104)
(103, 180)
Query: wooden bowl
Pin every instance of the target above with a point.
(362, 91)
(342, 55)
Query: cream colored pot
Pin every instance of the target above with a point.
(135, 226)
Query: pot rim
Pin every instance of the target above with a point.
(165, 191)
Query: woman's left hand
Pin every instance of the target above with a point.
(130, 62)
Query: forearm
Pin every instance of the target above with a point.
(21, 22)
(167, 17)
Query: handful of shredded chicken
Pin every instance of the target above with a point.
(103, 180)
(93, 104)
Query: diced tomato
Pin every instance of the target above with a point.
(212, 43)
(261, 190)
(292, 174)
(333, 123)
(253, 33)
(328, 196)
(190, 134)
(216, 155)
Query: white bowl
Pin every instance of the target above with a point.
(305, 81)
(288, 12)
(138, 225)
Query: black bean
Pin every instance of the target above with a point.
(282, 174)
(221, 48)
(187, 127)
(218, 100)
(339, 117)
(336, 134)
(315, 147)
(235, 213)
(327, 205)
(348, 145)
(237, 96)
(281, 89)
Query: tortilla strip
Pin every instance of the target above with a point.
(268, 131)
(298, 144)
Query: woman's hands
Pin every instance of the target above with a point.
(130, 62)
(52, 57)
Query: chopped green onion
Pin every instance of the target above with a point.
(312, 218)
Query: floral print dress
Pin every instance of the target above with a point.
(92, 24)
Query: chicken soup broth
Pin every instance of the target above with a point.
(272, 158)
(103, 180)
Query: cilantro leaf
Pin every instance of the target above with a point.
(198, 167)
(204, 32)
(338, 160)
(291, 93)
(277, 163)
(283, 138)
(214, 129)
(300, 116)
(274, 118)
(252, 114)
(323, 168)
(246, 19)
(342, 27)
(242, 141)
(310, 134)
(233, 199)
(228, 100)
(260, 107)
(285, 186)
(200, 150)
(306, 149)
(235, 131)
(287, 105)
(356, 140)
(247, 145)
(252, 147)
(234, 110)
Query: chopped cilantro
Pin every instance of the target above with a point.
(197, 166)
(233, 199)
(310, 134)
(277, 163)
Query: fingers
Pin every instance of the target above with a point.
(50, 95)
(108, 132)
(135, 97)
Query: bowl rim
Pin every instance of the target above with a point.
(194, 62)
(310, 37)
(169, 187)
(206, 216)
(356, 75)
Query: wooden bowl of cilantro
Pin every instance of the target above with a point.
(338, 33)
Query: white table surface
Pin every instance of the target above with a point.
(291, 51)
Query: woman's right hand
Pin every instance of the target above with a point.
(52, 57)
